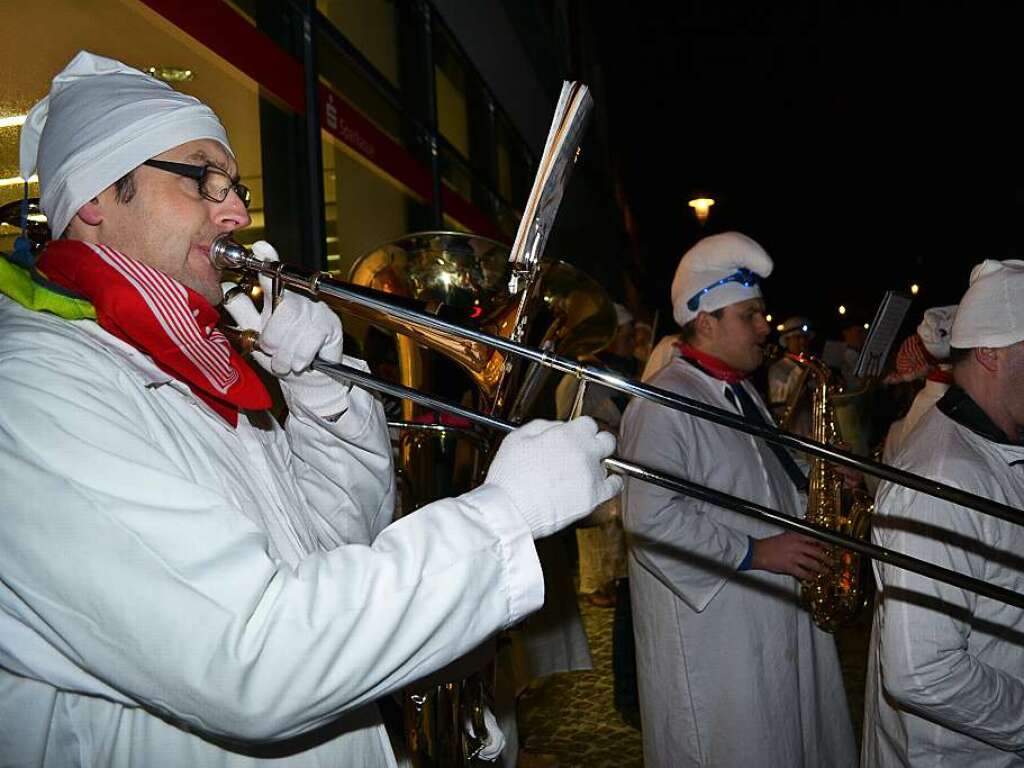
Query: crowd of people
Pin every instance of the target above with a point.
(185, 581)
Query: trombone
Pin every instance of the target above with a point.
(225, 253)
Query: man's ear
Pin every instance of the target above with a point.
(90, 213)
(704, 324)
(987, 357)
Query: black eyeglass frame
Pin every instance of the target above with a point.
(199, 174)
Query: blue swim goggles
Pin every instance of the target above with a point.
(743, 276)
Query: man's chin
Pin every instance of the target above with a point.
(212, 292)
(756, 359)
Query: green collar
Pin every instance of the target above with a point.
(28, 289)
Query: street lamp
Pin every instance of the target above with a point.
(701, 208)
(914, 289)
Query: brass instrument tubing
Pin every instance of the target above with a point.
(742, 506)
(226, 254)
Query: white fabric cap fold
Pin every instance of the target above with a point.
(795, 325)
(663, 353)
(712, 259)
(101, 120)
(935, 330)
(991, 313)
(622, 315)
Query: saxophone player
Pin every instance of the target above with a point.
(732, 671)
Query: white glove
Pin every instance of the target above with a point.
(553, 472)
(292, 335)
(490, 750)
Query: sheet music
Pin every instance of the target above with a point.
(553, 171)
(888, 320)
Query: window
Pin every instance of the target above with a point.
(130, 32)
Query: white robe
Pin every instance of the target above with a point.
(929, 395)
(945, 683)
(163, 575)
(732, 671)
(664, 352)
(599, 539)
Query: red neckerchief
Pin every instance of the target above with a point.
(710, 364)
(157, 315)
(941, 375)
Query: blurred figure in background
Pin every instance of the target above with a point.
(602, 549)
(924, 355)
(785, 377)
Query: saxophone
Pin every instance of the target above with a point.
(834, 597)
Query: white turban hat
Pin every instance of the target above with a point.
(935, 330)
(101, 120)
(708, 276)
(991, 313)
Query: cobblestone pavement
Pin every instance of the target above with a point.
(571, 716)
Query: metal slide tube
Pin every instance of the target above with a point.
(742, 506)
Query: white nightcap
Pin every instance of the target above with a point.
(991, 313)
(718, 271)
(100, 120)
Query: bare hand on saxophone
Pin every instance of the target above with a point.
(790, 553)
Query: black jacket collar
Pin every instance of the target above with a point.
(959, 406)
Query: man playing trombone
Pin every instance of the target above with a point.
(732, 671)
(182, 581)
(945, 684)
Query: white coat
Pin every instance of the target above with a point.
(663, 353)
(167, 581)
(783, 376)
(732, 671)
(929, 395)
(945, 683)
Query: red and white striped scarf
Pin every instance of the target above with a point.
(913, 361)
(159, 316)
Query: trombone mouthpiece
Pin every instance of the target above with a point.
(225, 253)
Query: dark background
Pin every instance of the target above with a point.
(865, 145)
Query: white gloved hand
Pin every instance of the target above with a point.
(491, 749)
(553, 472)
(292, 335)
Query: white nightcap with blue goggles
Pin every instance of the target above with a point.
(718, 271)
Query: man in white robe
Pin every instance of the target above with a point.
(922, 356)
(183, 582)
(945, 682)
(732, 671)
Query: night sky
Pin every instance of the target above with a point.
(865, 145)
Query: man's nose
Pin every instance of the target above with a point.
(231, 214)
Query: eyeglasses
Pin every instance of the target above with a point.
(214, 184)
(743, 276)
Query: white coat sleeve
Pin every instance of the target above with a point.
(363, 496)
(160, 589)
(925, 625)
(675, 537)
